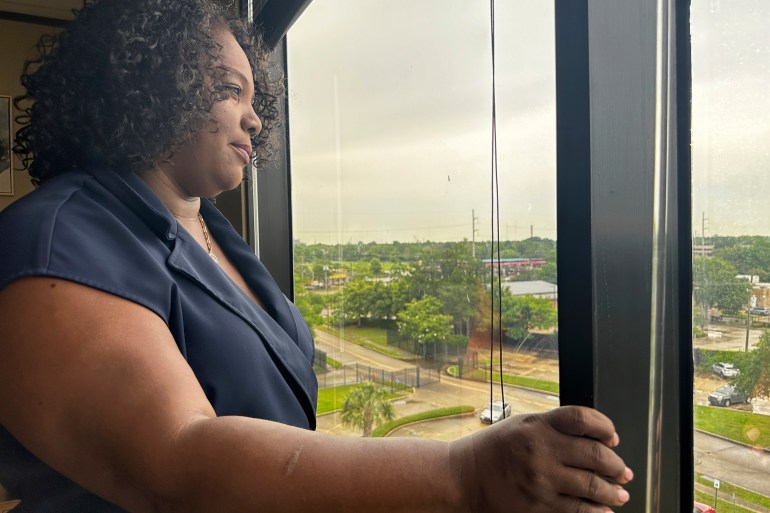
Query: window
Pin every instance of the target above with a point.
(390, 115)
(731, 253)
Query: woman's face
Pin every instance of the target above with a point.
(213, 160)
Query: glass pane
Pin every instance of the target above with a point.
(731, 253)
(391, 122)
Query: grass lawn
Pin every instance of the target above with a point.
(741, 426)
(376, 335)
(334, 363)
(537, 384)
(723, 504)
(331, 399)
(509, 379)
(727, 490)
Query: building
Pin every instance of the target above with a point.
(536, 288)
(513, 266)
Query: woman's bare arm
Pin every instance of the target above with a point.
(96, 387)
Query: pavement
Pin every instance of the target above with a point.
(728, 337)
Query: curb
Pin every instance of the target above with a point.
(386, 435)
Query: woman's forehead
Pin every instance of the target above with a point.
(232, 58)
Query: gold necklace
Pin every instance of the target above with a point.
(206, 236)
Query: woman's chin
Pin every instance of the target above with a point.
(230, 181)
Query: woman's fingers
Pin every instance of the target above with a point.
(594, 456)
(582, 421)
(586, 485)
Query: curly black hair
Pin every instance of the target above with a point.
(127, 81)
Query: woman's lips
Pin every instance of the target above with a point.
(244, 151)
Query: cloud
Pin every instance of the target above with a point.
(411, 117)
(391, 119)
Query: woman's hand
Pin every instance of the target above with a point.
(556, 462)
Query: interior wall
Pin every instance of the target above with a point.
(17, 43)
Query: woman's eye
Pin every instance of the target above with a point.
(230, 90)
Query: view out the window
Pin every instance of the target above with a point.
(731, 253)
(391, 123)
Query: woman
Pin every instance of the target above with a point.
(168, 372)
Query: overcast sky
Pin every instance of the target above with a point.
(731, 116)
(391, 118)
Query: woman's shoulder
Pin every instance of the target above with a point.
(43, 203)
(74, 228)
(28, 226)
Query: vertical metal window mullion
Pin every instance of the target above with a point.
(273, 196)
(605, 59)
(267, 198)
(573, 204)
(684, 370)
(622, 47)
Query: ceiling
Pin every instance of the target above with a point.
(59, 9)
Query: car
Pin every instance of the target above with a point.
(724, 369)
(699, 507)
(726, 395)
(495, 411)
(760, 311)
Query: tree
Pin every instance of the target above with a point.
(422, 321)
(754, 378)
(547, 273)
(524, 313)
(716, 285)
(310, 309)
(370, 301)
(375, 266)
(358, 300)
(381, 306)
(751, 255)
(450, 273)
(366, 405)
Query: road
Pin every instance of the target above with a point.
(731, 462)
(347, 352)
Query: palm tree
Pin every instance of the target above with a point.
(365, 405)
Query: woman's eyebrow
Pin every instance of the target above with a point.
(232, 71)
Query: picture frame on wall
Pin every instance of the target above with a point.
(6, 167)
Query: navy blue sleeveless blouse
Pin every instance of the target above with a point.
(110, 232)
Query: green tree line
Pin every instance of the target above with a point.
(431, 292)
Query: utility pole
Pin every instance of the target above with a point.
(748, 323)
(474, 230)
(703, 233)
(748, 309)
